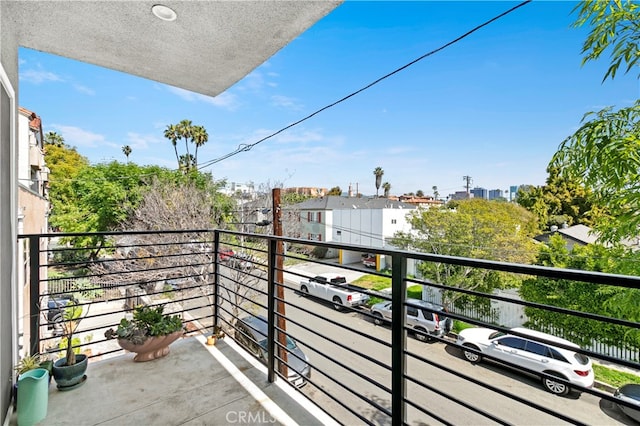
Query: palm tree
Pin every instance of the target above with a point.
(436, 194)
(53, 138)
(378, 172)
(185, 130)
(126, 150)
(386, 187)
(171, 133)
(200, 137)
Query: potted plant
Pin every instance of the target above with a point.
(28, 363)
(149, 333)
(33, 376)
(68, 371)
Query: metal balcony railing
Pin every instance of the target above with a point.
(354, 370)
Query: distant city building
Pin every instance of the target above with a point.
(244, 190)
(495, 194)
(460, 195)
(480, 193)
(306, 190)
(513, 191)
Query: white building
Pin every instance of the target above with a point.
(33, 209)
(369, 222)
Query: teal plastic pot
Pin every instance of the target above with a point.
(33, 396)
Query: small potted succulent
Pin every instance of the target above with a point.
(149, 333)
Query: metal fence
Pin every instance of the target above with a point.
(359, 372)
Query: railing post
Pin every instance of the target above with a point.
(398, 339)
(34, 295)
(271, 304)
(216, 279)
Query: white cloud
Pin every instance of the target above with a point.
(84, 89)
(138, 141)
(76, 136)
(224, 100)
(286, 102)
(38, 76)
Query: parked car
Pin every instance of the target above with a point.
(251, 333)
(55, 309)
(224, 254)
(420, 318)
(369, 260)
(331, 287)
(629, 393)
(539, 357)
(241, 261)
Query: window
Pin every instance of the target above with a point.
(393, 221)
(512, 342)
(338, 232)
(412, 311)
(427, 315)
(319, 217)
(538, 349)
(309, 217)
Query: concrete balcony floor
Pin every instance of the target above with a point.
(194, 385)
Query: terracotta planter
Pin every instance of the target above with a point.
(152, 348)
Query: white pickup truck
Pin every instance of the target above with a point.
(330, 287)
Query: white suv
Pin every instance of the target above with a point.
(532, 354)
(420, 317)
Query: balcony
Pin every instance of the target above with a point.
(361, 373)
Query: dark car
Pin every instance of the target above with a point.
(251, 333)
(55, 309)
(629, 393)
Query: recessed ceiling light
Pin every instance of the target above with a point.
(163, 12)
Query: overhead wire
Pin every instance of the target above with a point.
(248, 147)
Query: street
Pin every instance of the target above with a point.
(584, 408)
(444, 397)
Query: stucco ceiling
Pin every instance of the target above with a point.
(209, 47)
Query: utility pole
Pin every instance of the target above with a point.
(279, 277)
(468, 184)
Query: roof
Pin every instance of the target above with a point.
(580, 233)
(336, 202)
(209, 46)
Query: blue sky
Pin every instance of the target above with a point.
(494, 106)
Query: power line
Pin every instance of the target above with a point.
(248, 147)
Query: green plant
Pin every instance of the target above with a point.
(147, 321)
(26, 363)
(71, 317)
(614, 377)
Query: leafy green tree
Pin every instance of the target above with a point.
(65, 164)
(335, 191)
(291, 198)
(419, 193)
(473, 228)
(378, 172)
(561, 200)
(615, 28)
(586, 297)
(603, 154)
